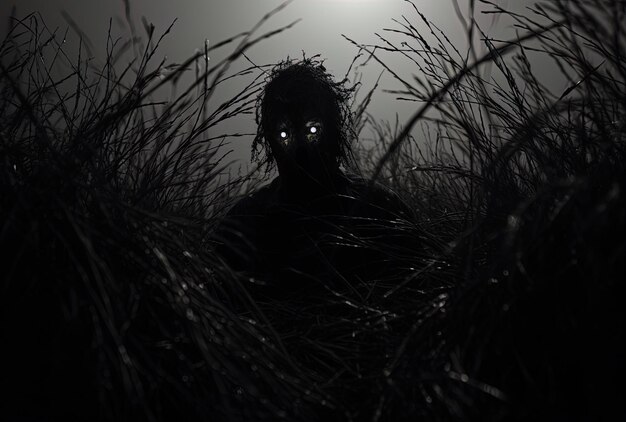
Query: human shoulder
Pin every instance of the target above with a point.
(378, 195)
(256, 202)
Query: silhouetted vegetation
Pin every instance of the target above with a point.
(116, 307)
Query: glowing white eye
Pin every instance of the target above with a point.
(283, 135)
(313, 129)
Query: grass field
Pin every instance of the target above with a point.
(115, 305)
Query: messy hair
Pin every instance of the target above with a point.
(309, 70)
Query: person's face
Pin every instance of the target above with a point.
(301, 132)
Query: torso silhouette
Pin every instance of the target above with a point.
(293, 237)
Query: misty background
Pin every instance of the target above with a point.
(320, 29)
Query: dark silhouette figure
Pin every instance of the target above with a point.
(313, 223)
(317, 239)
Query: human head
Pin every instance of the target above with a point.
(303, 120)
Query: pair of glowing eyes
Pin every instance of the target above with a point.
(285, 135)
(313, 130)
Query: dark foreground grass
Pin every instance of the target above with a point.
(115, 307)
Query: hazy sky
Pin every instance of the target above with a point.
(323, 22)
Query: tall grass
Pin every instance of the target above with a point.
(115, 307)
(528, 186)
